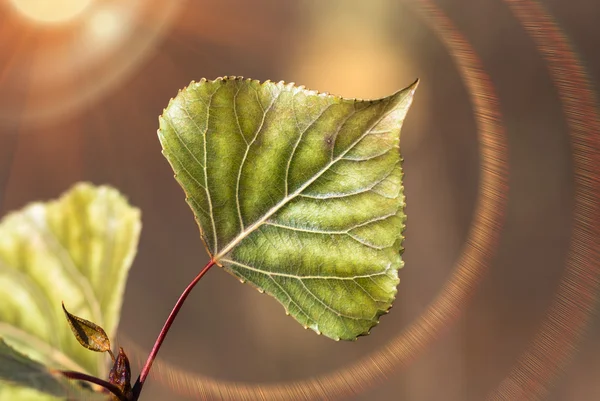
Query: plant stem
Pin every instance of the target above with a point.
(92, 379)
(137, 388)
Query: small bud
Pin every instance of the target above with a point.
(120, 375)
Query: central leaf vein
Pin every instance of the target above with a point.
(307, 277)
(288, 198)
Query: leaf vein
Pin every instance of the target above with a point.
(204, 166)
(299, 277)
(301, 132)
(239, 176)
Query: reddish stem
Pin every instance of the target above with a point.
(137, 388)
(92, 379)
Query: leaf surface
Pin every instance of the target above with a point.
(89, 334)
(296, 192)
(77, 249)
(17, 369)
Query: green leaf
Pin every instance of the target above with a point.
(18, 369)
(77, 249)
(89, 334)
(298, 193)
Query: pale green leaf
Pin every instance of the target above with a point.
(296, 192)
(77, 249)
(17, 370)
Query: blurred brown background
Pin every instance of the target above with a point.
(79, 100)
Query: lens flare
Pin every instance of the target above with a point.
(106, 25)
(52, 72)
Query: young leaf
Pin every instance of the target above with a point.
(296, 192)
(89, 335)
(18, 369)
(79, 249)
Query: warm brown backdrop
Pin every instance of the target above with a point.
(350, 47)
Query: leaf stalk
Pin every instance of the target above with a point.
(137, 388)
(95, 380)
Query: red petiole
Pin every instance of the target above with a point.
(93, 379)
(137, 388)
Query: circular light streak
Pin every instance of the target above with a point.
(477, 252)
(51, 11)
(577, 293)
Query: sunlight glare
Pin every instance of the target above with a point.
(51, 11)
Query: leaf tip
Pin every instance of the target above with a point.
(413, 87)
(407, 92)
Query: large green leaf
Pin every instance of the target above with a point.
(297, 192)
(77, 249)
